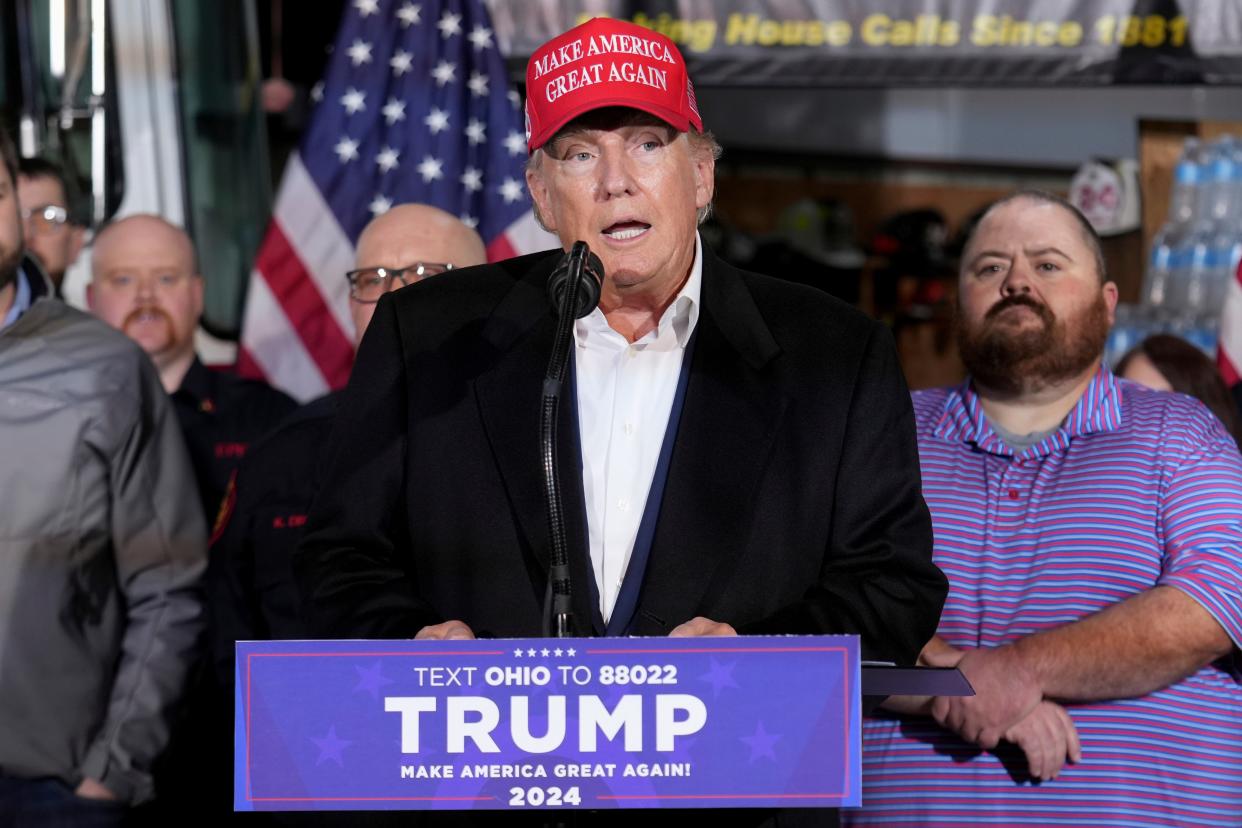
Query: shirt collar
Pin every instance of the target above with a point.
(21, 299)
(682, 314)
(1098, 409)
(197, 384)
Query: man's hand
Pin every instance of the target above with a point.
(1005, 693)
(701, 626)
(90, 789)
(1048, 738)
(448, 631)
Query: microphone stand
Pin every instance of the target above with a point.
(572, 300)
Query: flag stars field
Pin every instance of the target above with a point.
(409, 110)
(401, 62)
(360, 52)
(437, 121)
(354, 101)
(408, 14)
(480, 37)
(346, 149)
(444, 72)
(386, 160)
(449, 25)
(394, 111)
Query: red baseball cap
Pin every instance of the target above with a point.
(606, 62)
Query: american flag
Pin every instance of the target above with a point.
(414, 107)
(1229, 355)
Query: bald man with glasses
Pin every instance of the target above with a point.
(251, 586)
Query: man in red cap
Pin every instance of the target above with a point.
(743, 459)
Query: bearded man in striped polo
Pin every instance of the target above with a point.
(1091, 530)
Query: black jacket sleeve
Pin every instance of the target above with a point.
(877, 578)
(353, 567)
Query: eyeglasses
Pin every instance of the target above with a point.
(48, 218)
(370, 283)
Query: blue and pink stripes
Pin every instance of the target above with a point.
(1137, 489)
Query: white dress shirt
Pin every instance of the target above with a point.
(625, 395)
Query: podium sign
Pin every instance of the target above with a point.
(548, 723)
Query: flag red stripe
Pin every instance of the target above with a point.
(247, 366)
(296, 293)
(1229, 371)
(500, 249)
(1229, 356)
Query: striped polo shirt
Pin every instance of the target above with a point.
(1137, 488)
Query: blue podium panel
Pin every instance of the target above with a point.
(548, 723)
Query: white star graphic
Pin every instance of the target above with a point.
(449, 25)
(514, 98)
(401, 62)
(359, 52)
(514, 142)
(387, 159)
(354, 101)
(558, 652)
(394, 111)
(475, 131)
(437, 121)
(530, 652)
(316, 93)
(366, 8)
(510, 191)
(443, 73)
(517, 653)
(379, 205)
(430, 171)
(346, 149)
(408, 15)
(570, 652)
(478, 85)
(481, 37)
(545, 652)
(469, 221)
(472, 179)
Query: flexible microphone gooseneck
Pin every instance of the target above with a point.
(574, 290)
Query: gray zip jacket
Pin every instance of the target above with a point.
(102, 546)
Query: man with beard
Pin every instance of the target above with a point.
(102, 545)
(1091, 530)
(145, 283)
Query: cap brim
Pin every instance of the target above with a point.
(677, 120)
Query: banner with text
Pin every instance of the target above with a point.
(548, 723)
(915, 42)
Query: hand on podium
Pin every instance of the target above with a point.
(448, 631)
(701, 626)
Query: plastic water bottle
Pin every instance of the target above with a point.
(1169, 254)
(1212, 236)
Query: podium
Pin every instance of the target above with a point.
(530, 724)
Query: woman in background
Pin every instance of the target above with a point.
(1170, 363)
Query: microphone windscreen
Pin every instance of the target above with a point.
(585, 266)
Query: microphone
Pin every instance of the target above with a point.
(584, 268)
(574, 289)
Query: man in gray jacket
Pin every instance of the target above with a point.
(102, 545)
